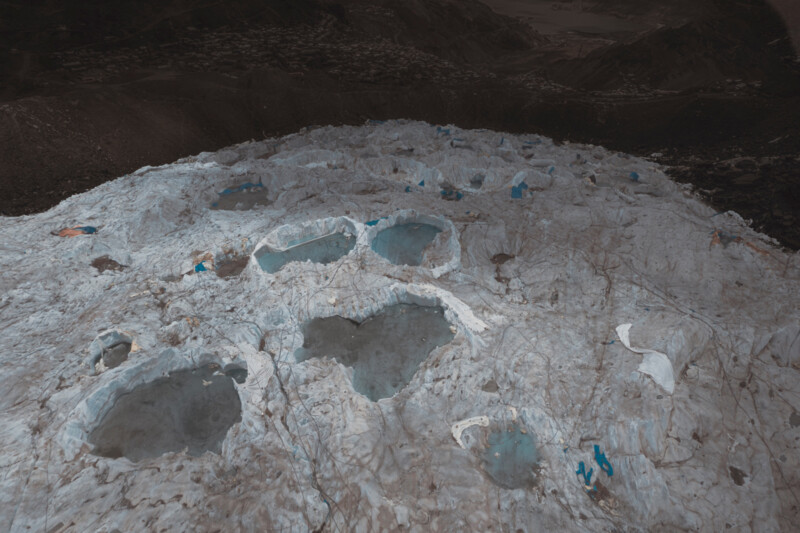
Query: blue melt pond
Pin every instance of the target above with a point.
(511, 458)
(403, 244)
(321, 250)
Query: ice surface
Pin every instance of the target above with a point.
(384, 350)
(403, 244)
(321, 250)
(190, 409)
(511, 458)
(583, 250)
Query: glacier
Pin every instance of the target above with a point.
(543, 250)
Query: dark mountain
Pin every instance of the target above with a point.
(744, 41)
(95, 89)
(33, 32)
(47, 25)
(666, 11)
(457, 30)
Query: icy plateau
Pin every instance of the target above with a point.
(155, 374)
